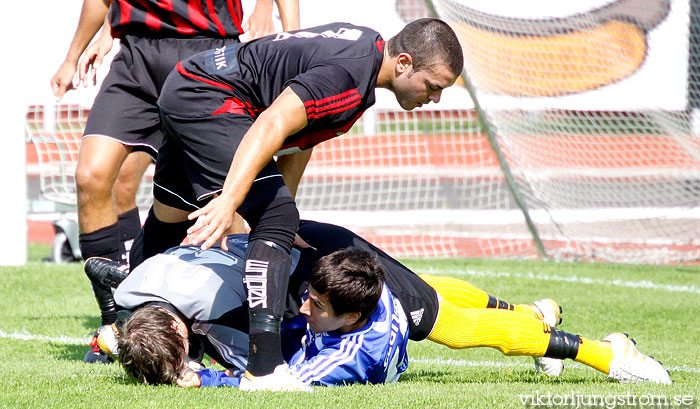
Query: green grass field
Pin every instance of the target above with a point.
(47, 311)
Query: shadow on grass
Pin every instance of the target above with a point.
(488, 376)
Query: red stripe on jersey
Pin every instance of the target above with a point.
(331, 98)
(314, 138)
(166, 5)
(182, 71)
(335, 111)
(152, 20)
(235, 11)
(215, 18)
(320, 111)
(125, 15)
(183, 26)
(196, 14)
(380, 45)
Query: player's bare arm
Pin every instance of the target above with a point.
(292, 168)
(284, 117)
(289, 14)
(92, 16)
(93, 56)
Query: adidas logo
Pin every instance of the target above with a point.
(417, 316)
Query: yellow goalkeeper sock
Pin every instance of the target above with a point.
(596, 354)
(465, 295)
(510, 332)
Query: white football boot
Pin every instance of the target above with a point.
(107, 340)
(550, 311)
(629, 365)
(281, 380)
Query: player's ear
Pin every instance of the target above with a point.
(404, 62)
(351, 317)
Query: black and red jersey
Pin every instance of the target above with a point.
(177, 18)
(333, 69)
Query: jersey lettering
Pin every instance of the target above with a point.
(222, 60)
(350, 34)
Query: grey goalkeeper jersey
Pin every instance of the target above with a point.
(206, 287)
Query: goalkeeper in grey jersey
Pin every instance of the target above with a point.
(198, 293)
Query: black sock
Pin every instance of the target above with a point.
(260, 364)
(159, 236)
(129, 225)
(102, 243)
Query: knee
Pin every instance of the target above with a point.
(92, 179)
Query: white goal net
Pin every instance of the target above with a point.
(607, 164)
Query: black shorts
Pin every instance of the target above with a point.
(125, 108)
(418, 299)
(195, 158)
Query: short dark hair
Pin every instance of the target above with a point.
(429, 41)
(351, 278)
(150, 349)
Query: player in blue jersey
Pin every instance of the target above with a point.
(227, 112)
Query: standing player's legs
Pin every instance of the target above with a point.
(99, 162)
(124, 194)
(123, 118)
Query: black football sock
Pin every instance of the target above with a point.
(159, 236)
(102, 243)
(129, 225)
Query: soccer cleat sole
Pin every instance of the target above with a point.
(105, 273)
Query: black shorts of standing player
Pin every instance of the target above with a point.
(133, 85)
(418, 299)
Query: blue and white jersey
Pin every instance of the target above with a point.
(375, 353)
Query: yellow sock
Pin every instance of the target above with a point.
(510, 332)
(596, 354)
(465, 295)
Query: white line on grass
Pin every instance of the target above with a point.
(25, 336)
(575, 279)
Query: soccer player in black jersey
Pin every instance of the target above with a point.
(226, 113)
(123, 130)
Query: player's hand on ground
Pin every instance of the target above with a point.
(92, 59)
(189, 379)
(62, 81)
(213, 223)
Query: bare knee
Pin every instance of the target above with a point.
(94, 181)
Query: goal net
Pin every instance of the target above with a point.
(603, 146)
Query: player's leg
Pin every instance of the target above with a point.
(273, 218)
(124, 194)
(466, 295)
(98, 165)
(514, 333)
